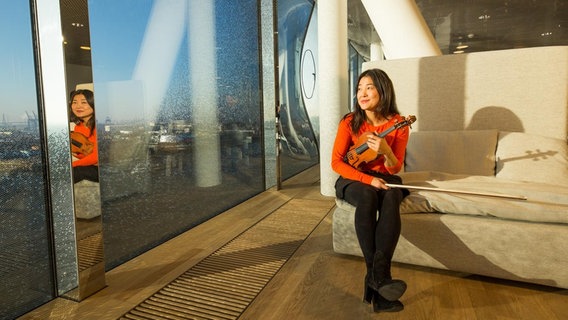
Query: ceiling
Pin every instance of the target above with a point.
(477, 25)
(75, 29)
(480, 24)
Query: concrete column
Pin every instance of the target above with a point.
(402, 29)
(204, 100)
(333, 82)
(376, 51)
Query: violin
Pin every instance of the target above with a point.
(360, 153)
(80, 143)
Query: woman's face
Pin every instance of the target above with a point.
(367, 94)
(81, 108)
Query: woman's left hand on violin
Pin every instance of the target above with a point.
(80, 144)
(377, 144)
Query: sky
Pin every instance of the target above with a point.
(17, 76)
(17, 80)
(117, 30)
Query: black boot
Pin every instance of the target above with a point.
(380, 304)
(381, 281)
(369, 292)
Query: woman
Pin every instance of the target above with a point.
(85, 164)
(364, 186)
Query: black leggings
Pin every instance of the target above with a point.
(375, 234)
(90, 173)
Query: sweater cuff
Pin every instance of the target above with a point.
(393, 169)
(367, 179)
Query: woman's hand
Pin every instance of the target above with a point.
(379, 183)
(381, 147)
(378, 145)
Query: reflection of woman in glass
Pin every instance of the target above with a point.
(84, 136)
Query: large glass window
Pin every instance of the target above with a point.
(26, 274)
(177, 89)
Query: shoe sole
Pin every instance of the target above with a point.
(394, 308)
(392, 291)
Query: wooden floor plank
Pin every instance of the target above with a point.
(315, 283)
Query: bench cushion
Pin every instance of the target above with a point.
(459, 152)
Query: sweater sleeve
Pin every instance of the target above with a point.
(398, 146)
(343, 141)
(93, 158)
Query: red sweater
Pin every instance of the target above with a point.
(345, 139)
(93, 158)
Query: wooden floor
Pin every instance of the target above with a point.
(315, 283)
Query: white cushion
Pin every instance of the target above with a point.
(460, 152)
(486, 196)
(528, 157)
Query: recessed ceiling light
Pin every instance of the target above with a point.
(85, 47)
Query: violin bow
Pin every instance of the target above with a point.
(485, 194)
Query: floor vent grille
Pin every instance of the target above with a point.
(90, 251)
(223, 284)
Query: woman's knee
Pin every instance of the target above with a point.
(359, 193)
(369, 193)
(393, 196)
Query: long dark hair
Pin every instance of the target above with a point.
(90, 100)
(387, 102)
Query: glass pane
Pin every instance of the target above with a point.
(299, 144)
(26, 269)
(177, 85)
